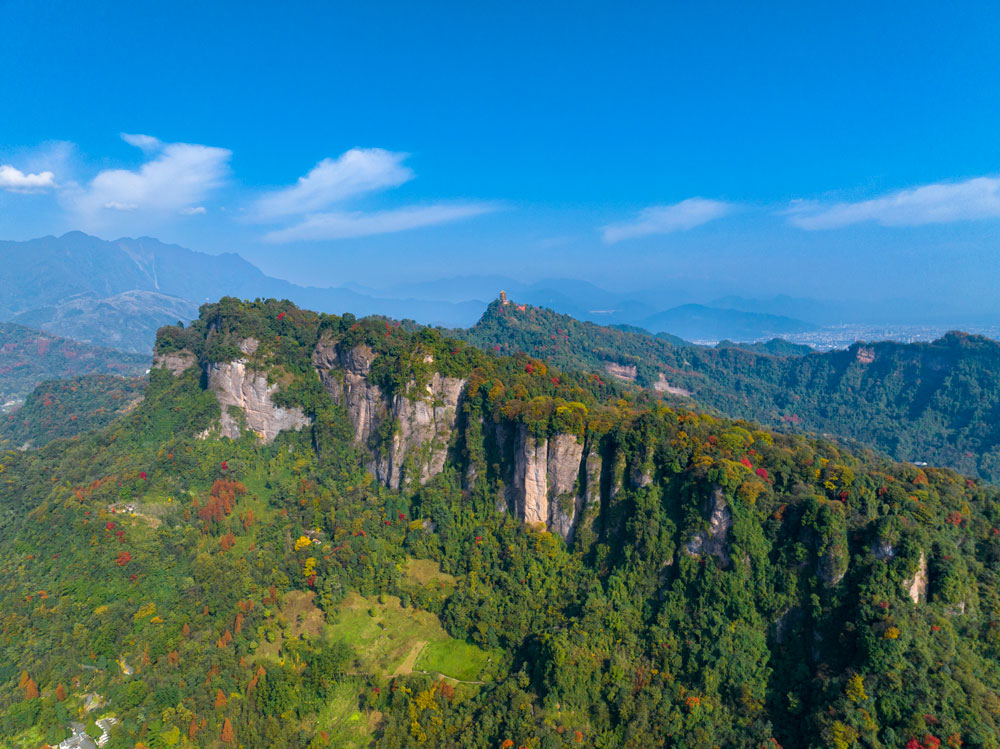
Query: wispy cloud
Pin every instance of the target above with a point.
(355, 172)
(314, 207)
(175, 180)
(348, 225)
(943, 202)
(15, 180)
(666, 219)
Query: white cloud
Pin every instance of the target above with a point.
(347, 225)
(355, 172)
(944, 202)
(665, 219)
(177, 178)
(145, 142)
(198, 210)
(114, 205)
(17, 181)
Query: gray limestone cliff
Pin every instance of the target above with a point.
(421, 420)
(713, 540)
(236, 385)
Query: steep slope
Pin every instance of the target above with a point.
(935, 403)
(722, 586)
(28, 357)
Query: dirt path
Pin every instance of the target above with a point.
(406, 666)
(449, 678)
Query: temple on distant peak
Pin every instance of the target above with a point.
(503, 297)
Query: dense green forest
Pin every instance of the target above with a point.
(58, 409)
(29, 357)
(732, 587)
(936, 403)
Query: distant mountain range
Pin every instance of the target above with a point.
(117, 293)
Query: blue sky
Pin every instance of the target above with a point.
(837, 150)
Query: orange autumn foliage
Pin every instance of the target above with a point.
(227, 737)
(220, 700)
(30, 690)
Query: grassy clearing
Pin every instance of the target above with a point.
(425, 572)
(456, 659)
(387, 638)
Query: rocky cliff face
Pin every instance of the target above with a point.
(177, 362)
(713, 540)
(408, 435)
(235, 385)
(550, 481)
(917, 587)
(421, 423)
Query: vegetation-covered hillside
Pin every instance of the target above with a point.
(733, 587)
(936, 403)
(28, 357)
(65, 408)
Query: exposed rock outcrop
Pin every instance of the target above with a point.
(713, 540)
(663, 386)
(178, 362)
(917, 587)
(344, 373)
(236, 385)
(626, 372)
(530, 485)
(422, 423)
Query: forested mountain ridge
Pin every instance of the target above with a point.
(231, 561)
(64, 408)
(937, 402)
(28, 357)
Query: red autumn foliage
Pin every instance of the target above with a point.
(954, 517)
(746, 461)
(762, 472)
(123, 558)
(225, 466)
(281, 315)
(142, 475)
(109, 526)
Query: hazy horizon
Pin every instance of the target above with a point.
(744, 152)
